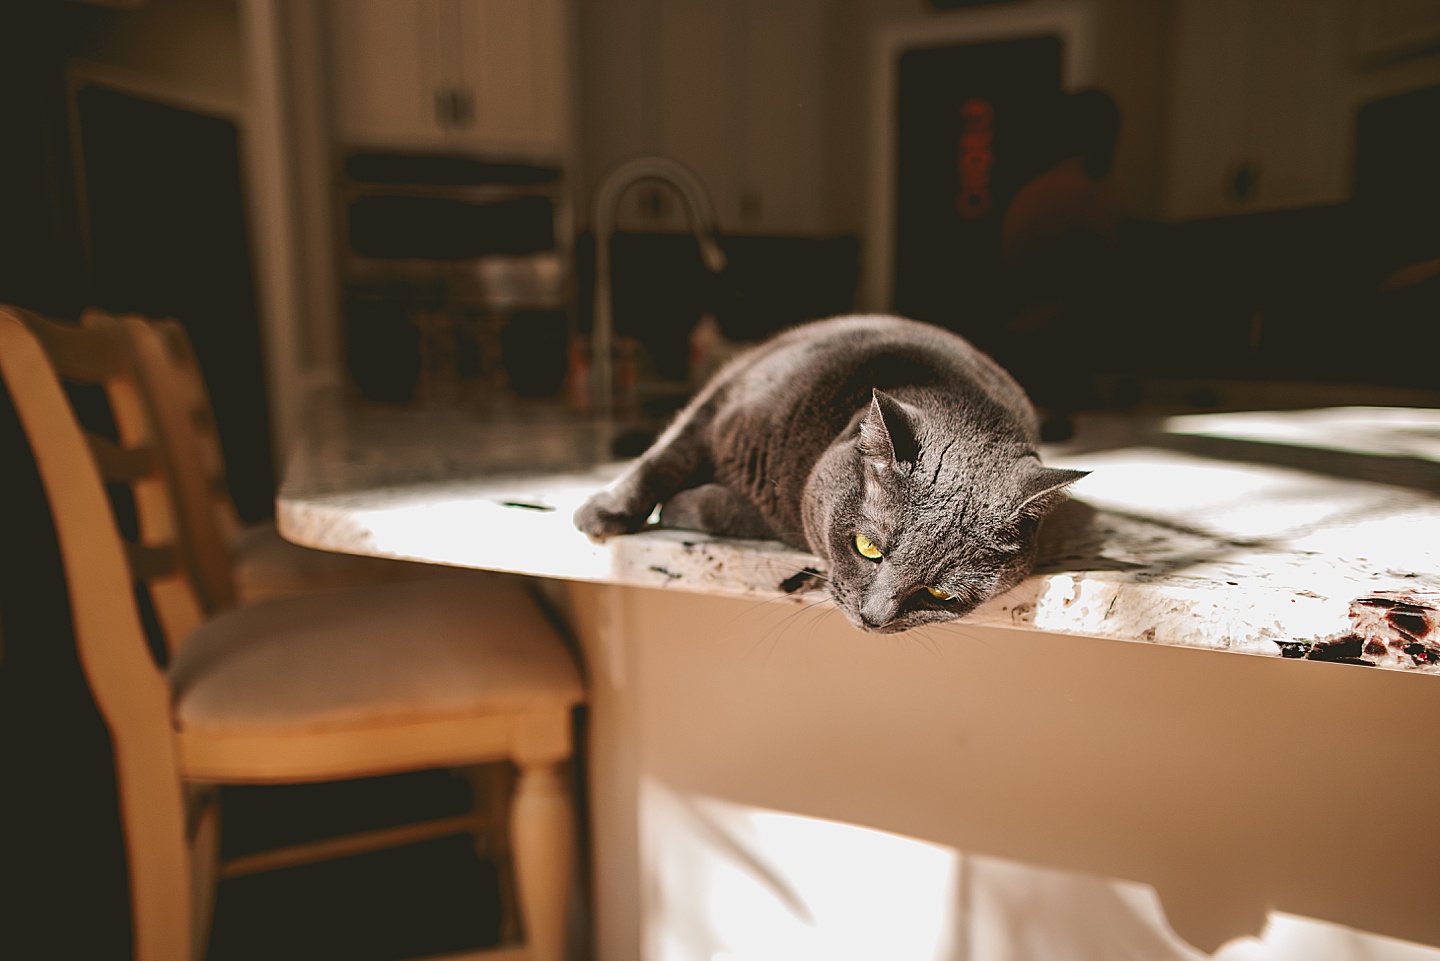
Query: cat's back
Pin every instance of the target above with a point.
(776, 410)
(836, 362)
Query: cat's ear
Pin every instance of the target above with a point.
(888, 434)
(1043, 487)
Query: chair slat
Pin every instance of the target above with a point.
(122, 464)
(151, 562)
(82, 354)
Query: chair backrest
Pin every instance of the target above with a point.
(190, 380)
(174, 404)
(129, 688)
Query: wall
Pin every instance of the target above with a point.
(188, 48)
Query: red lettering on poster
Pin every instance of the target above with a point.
(976, 158)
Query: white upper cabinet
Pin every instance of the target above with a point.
(1259, 118)
(732, 89)
(482, 77)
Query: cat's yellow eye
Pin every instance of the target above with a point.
(939, 594)
(867, 547)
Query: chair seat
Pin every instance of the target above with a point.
(369, 680)
(265, 566)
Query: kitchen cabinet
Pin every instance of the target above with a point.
(479, 77)
(1259, 113)
(1390, 30)
(733, 89)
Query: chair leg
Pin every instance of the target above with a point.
(542, 837)
(492, 786)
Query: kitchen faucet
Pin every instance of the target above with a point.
(607, 209)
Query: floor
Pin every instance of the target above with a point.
(427, 898)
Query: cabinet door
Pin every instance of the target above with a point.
(1258, 121)
(1299, 121)
(732, 89)
(701, 66)
(1208, 101)
(781, 177)
(387, 69)
(740, 89)
(513, 65)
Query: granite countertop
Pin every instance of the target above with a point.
(1307, 534)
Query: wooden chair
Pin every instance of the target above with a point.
(176, 398)
(263, 564)
(231, 564)
(444, 672)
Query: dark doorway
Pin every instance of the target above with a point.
(974, 124)
(168, 238)
(1397, 152)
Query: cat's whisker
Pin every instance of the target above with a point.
(816, 622)
(773, 635)
(797, 617)
(929, 642)
(767, 619)
(763, 608)
(808, 613)
(970, 633)
(778, 626)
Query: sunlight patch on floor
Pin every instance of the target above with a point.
(730, 882)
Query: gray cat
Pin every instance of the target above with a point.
(893, 449)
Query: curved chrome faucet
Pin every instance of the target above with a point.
(607, 209)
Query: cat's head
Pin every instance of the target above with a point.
(925, 511)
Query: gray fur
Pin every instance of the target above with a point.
(886, 427)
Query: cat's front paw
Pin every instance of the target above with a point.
(607, 513)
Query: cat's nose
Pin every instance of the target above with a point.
(877, 612)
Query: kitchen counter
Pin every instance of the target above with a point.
(764, 781)
(1308, 534)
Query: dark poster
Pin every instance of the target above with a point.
(168, 238)
(974, 125)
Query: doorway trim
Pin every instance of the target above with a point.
(1072, 22)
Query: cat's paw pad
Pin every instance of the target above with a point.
(604, 515)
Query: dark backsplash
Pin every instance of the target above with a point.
(661, 289)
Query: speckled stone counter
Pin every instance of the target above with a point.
(1309, 534)
(749, 754)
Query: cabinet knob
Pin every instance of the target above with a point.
(1242, 180)
(454, 107)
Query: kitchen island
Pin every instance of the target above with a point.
(767, 781)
